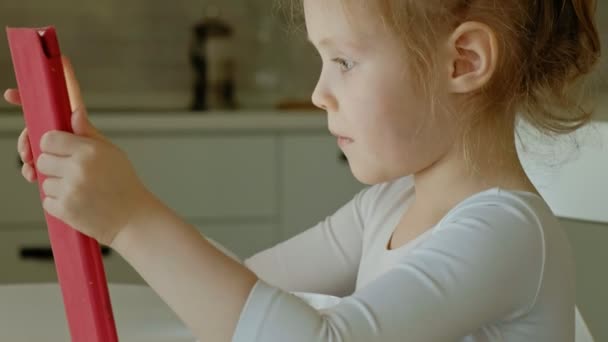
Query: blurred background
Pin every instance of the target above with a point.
(137, 55)
(211, 101)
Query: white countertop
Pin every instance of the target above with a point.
(35, 312)
(216, 121)
(185, 121)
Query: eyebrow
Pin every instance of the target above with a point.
(328, 41)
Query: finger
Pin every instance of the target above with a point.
(12, 96)
(52, 187)
(52, 206)
(82, 126)
(23, 146)
(28, 172)
(52, 165)
(76, 101)
(62, 143)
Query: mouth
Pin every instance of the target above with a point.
(342, 140)
(340, 136)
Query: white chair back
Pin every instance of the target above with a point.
(582, 333)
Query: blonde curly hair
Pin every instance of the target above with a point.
(546, 49)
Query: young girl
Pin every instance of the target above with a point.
(451, 241)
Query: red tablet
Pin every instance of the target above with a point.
(46, 106)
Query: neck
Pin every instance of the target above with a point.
(451, 179)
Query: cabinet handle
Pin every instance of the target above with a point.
(45, 253)
(342, 158)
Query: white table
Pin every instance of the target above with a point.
(34, 312)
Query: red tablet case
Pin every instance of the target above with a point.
(42, 86)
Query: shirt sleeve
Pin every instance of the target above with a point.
(449, 286)
(323, 259)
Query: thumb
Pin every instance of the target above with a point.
(81, 125)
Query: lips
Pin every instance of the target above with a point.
(340, 136)
(344, 141)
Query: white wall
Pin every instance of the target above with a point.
(135, 53)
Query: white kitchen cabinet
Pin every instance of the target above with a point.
(17, 268)
(19, 200)
(316, 181)
(198, 176)
(25, 257)
(243, 239)
(233, 183)
(207, 177)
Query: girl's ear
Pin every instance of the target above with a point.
(472, 57)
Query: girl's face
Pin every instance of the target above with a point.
(369, 97)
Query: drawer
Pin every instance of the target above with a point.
(16, 268)
(24, 258)
(24, 255)
(19, 200)
(208, 177)
(199, 177)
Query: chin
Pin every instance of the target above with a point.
(368, 175)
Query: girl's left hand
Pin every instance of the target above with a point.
(91, 185)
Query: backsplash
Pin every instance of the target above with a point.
(134, 54)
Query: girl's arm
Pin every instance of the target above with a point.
(323, 259)
(481, 268)
(208, 289)
(205, 288)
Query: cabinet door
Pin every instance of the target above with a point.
(26, 257)
(587, 239)
(242, 239)
(211, 177)
(19, 200)
(316, 181)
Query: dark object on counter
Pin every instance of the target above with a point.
(214, 70)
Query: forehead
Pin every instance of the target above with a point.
(354, 20)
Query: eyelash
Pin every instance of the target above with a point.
(345, 65)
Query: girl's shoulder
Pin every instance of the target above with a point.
(501, 217)
(523, 205)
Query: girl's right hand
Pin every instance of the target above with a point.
(23, 143)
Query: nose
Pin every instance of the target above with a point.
(322, 96)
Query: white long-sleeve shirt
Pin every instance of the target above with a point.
(497, 267)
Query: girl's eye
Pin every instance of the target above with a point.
(344, 64)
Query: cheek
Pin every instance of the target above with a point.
(404, 139)
(392, 125)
